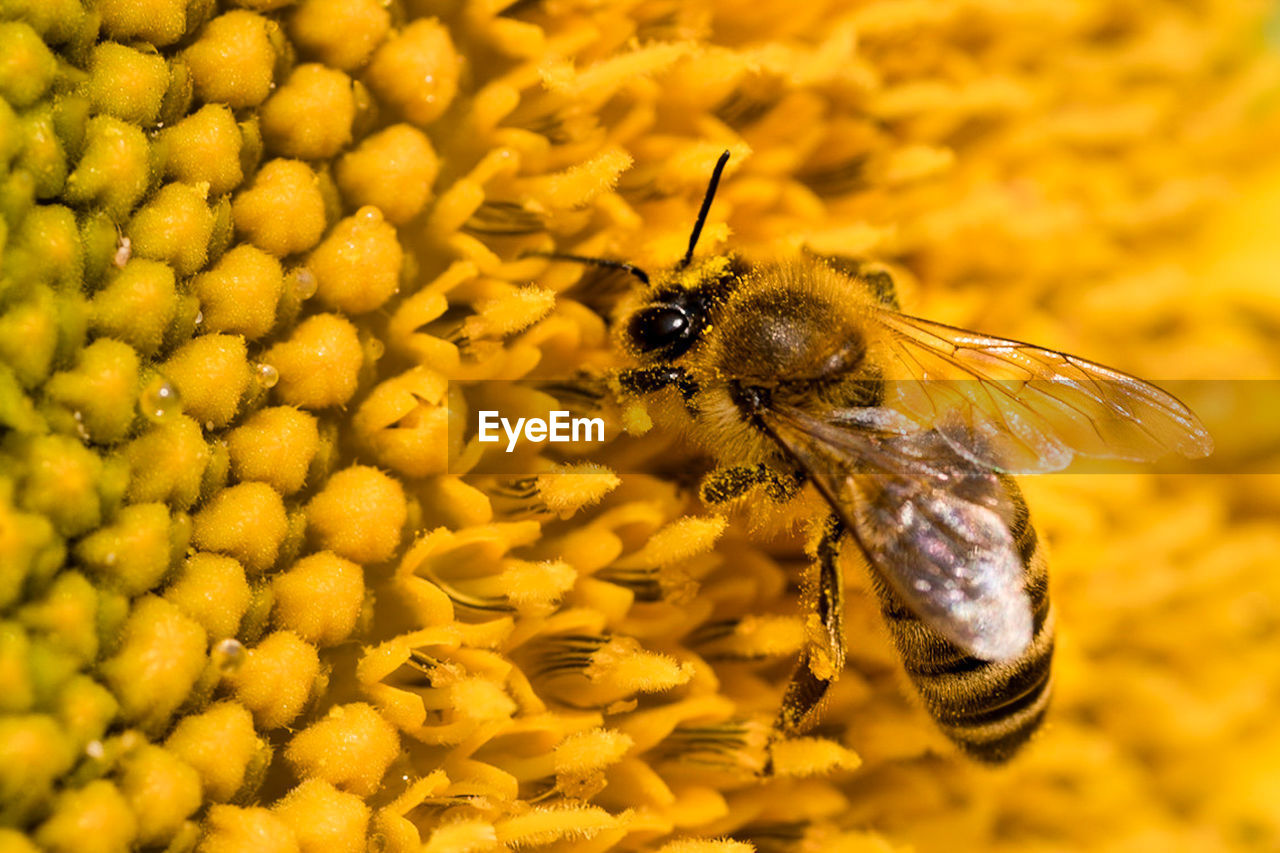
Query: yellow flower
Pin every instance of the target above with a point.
(259, 262)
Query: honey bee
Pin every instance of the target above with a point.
(796, 373)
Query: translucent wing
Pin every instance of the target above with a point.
(933, 525)
(1020, 408)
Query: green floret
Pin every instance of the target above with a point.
(27, 66)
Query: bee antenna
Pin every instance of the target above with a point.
(607, 263)
(706, 207)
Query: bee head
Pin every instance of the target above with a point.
(667, 324)
(673, 317)
(664, 328)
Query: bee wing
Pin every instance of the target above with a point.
(1024, 409)
(932, 524)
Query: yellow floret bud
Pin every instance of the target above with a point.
(565, 492)
(537, 587)
(51, 669)
(10, 132)
(204, 148)
(16, 689)
(404, 423)
(212, 590)
(319, 365)
(324, 819)
(126, 83)
(174, 226)
(622, 665)
(102, 391)
(92, 819)
(220, 744)
(275, 446)
(340, 33)
(276, 678)
(66, 613)
(416, 71)
(132, 553)
(247, 521)
(162, 654)
(357, 267)
(231, 829)
(62, 483)
(462, 836)
(55, 20)
(545, 824)
(320, 598)
(239, 294)
(29, 336)
(17, 410)
(167, 462)
(463, 505)
(41, 167)
(233, 60)
(211, 373)
(479, 700)
(50, 241)
(161, 789)
(283, 211)
(71, 111)
(86, 709)
(137, 305)
(350, 748)
(160, 22)
(27, 67)
(114, 170)
(36, 751)
(509, 313)
(584, 752)
(679, 540)
(12, 841)
(393, 170)
(758, 637)
(579, 184)
(359, 514)
(28, 547)
(310, 116)
(810, 756)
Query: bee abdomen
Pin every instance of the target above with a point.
(988, 708)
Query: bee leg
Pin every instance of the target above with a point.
(823, 655)
(733, 481)
(646, 380)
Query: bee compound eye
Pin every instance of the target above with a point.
(659, 326)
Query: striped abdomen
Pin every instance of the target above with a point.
(989, 709)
